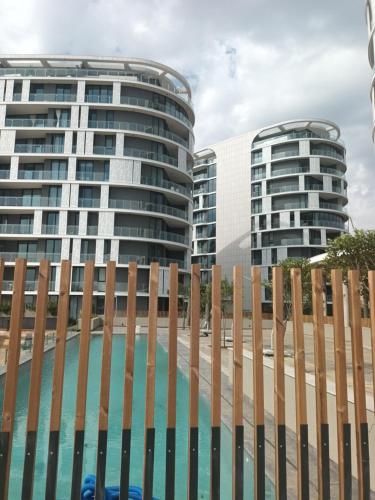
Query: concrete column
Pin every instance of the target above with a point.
(301, 183)
(267, 154)
(120, 138)
(2, 90)
(106, 222)
(7, 141)
(76, 251)
(268, 170)
(99, 251)
(327, 183)
(82, 227)
(81, 91)
(37, 226)
(68, 142)
(65, 250)
(182, 159)
(25, 90)
(63, 221)
(72, 168)
(306, 236)
(80, 143)
(84, 123)
(115, 250)
(9, 90)
(315, 165)
(304, 148)
(3, 110)
(104, 195)
(13, 172)
(74, 115)
(74, 192)
(89, 143)
(116, 94)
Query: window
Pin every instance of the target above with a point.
(262, 222)
(256, 206)
(274, 255)
(292, 219)
(275, 221)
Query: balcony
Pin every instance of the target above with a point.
(138, 127)
(323, 222)
(16, 228)
(289, 205)
(52, 97)
(37, 122)
(287, 171)
(146, 103)
(35, 201)
(331, 206)
(331, 171)
(282, 188)
(313, 187)
(39, 148)
(172, 186)
(104, 150)
(50, 228)
(30, 286)
(150, 155)
(327, 152)
(138, 232)
(148, 207)
(92, 230)
(92, 176)
(285, 154)
(4, 173)
(30, 256)
(47, 175)
(85, 257)
(105, 99)
(89, 202)
(146, 261)
(72, 229)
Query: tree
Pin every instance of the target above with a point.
(206, 299)
(353, 251)
(287, 265)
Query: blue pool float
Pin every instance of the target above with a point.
(111, 492)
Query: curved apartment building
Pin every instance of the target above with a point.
(95, 164)
(298, 191)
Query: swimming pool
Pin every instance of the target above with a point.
(115, 422)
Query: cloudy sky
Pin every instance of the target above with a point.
(250, 62)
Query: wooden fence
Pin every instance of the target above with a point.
(281, 445)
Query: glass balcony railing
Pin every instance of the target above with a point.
(146, 261)
(289, 205)
(49, 175)
(104, 150)
(50, 228)
(282, 189)
(323, 222)
(84, 257)
(302, 134)
(4, 174)
(150, 155)
(92, 230)
(285, 242)
(98, 98)
(89, 202)
(291, 170)
(138, 127)
(16, 228)
(148, 207)
(30, 286)
(285, 154)
(17, 96)
(92, 176)
(336, 189)
(35, 201)
(30, 256)
(54, 97)
(146, 103)
(138, 232)
(331, 206)
(331, 171)
(72, 229)
(36, 122)
(172, 186)
(39, 148)
(328, 152)
(314, 187)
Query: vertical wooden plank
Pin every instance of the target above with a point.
(58, 380)
(322, 430)
(343, 425)
(363, 465)
(105, 380)
(172, 381)
(371, 281)
(83, 366)
(216, 383)
(279, 382)
(148, 470)
(237, 426)
(194, 383)
(129, 379)
(11, 376)
(300, 386)
(258, 386)
(35, 379)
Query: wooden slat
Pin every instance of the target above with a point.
(216, 383)
(105, 380)
(237, 419)
(279, 382)
(172, 383)
(359, 387)
(35, 379)
(344, 451)
(194, 382)
(371, 281)
(129, 379)
(320, 385)
(300, 386)
(148, 469)
(11, 376)
(258, 385)
(83, 365)
(58, 379)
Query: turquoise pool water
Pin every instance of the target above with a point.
(114, 433)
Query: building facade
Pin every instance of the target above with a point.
(95, 164)
(281, 192)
